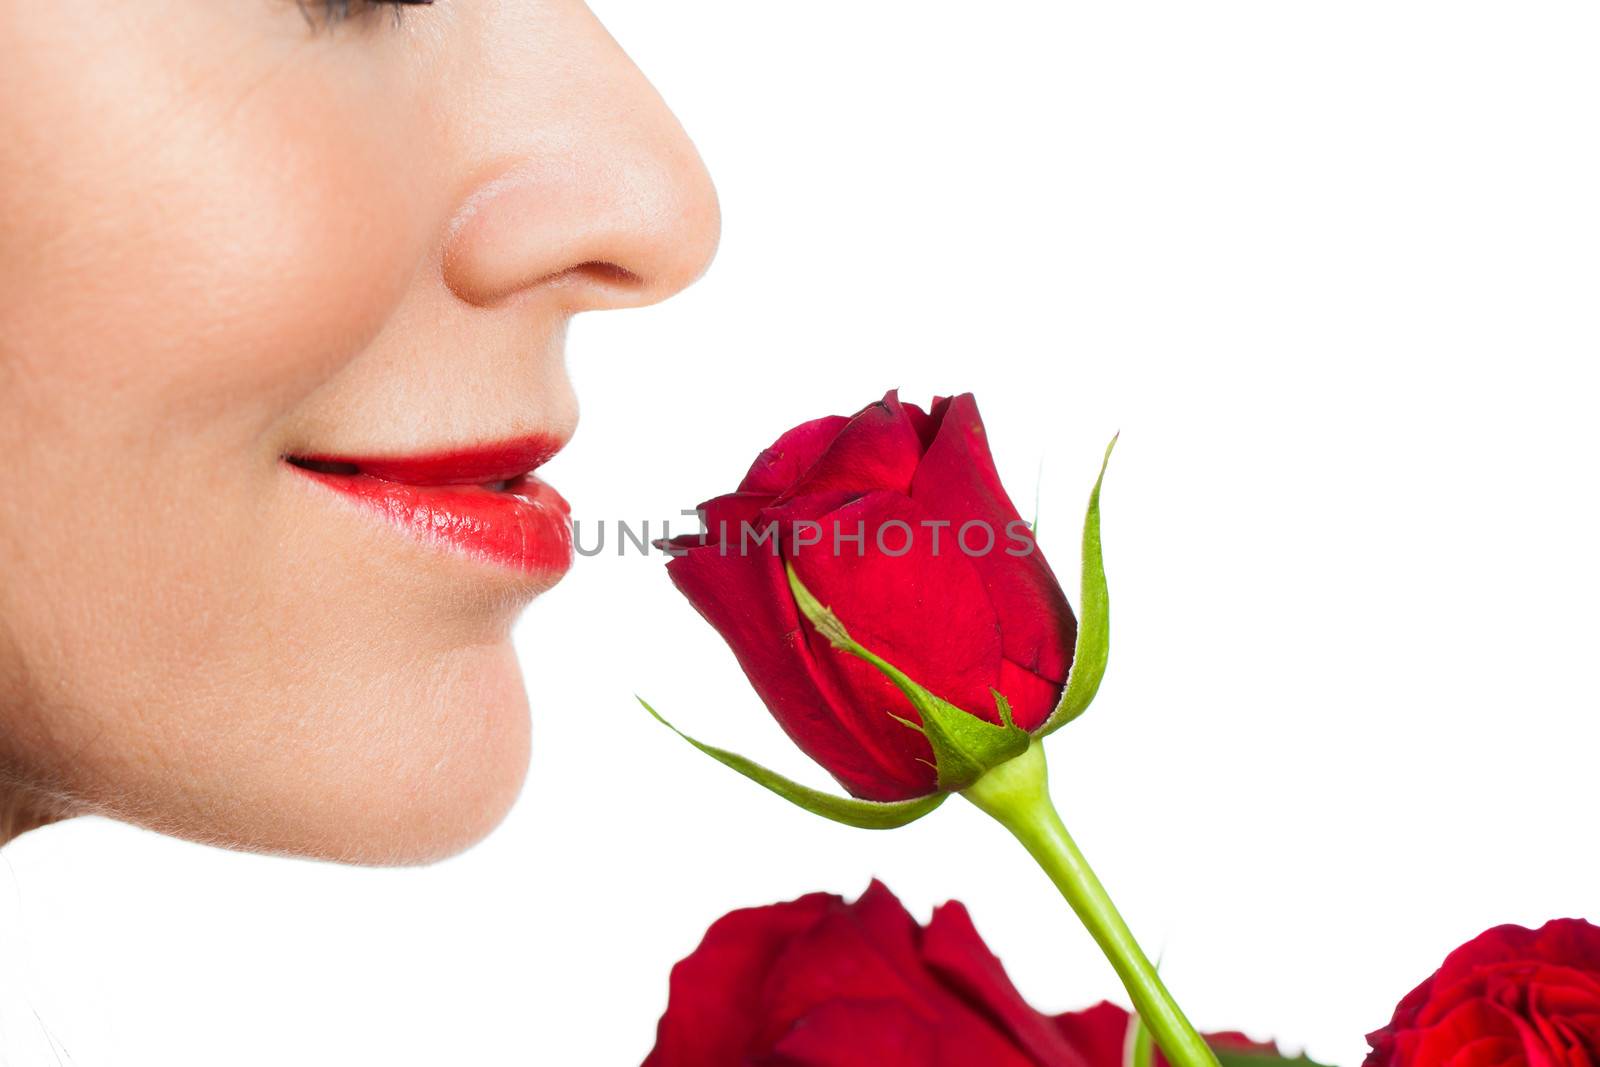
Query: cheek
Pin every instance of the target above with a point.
(186, 251)
(175, 279)
(207, 281)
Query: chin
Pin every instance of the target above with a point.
(414, 766)
(437, 783)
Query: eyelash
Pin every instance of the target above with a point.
(337, 11)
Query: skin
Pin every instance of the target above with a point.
(228, 235)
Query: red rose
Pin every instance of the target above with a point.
(818, 982)
(896, 519)
(1511, 997)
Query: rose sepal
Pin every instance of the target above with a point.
(851, 811)
(965, 747)
(1093, 646)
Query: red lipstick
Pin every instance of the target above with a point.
(484, 501)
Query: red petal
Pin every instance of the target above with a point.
(890, 926)
(838, 958)
(927, 614)
(866, 954)
(746, 598)
(860, 1032)
(957, 481)
(878, 449)
(780, 466)
(712, 1009)
(1485, 1032)
(1032, 698)
(925, 424)
(952, 948)
(731, 510)
(1099, 1034)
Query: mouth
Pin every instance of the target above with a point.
(484, 501)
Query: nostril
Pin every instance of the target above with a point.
(606, 271)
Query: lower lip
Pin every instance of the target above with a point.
(525, 526)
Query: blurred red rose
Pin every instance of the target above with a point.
(1510, 997)
(818, 982)
(896, 519)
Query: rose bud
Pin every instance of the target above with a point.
(819, 982)
(1510, 997)
(939, 639)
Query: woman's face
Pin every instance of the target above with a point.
(231, 237)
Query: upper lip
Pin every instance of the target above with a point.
(495, 461)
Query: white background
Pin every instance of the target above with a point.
(1332, 271)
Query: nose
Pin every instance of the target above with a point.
(595, 198)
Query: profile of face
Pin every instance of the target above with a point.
(283, 298)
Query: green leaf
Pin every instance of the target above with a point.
(1094, 619)
(964, 746)
(866, 814)
(1261, 1059)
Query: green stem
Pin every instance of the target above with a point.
(1016, 794)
